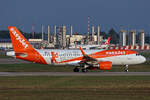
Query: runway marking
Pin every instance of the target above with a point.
(74, 74)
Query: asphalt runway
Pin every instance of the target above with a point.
(12, 61)
(74, 74)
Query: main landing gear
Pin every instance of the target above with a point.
(77, 69)
(84, 70)
(126, 68)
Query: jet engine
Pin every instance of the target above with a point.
(106, 65)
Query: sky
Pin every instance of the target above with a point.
(117, 14)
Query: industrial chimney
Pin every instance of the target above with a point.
(98, 34)
(48, 33)
(132, 37)
(71, 31)
(123, 38)
(142, 37)
(42, 32)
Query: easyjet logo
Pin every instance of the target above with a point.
(22, 41)
(116, 52)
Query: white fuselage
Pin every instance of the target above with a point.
(63, 55)
(71, 54)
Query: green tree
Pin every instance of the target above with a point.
(114, 36)
(105, 36)
(4, 34)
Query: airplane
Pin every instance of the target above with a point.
(104, 45)
(85, 59)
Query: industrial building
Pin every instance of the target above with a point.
(132, 41)
(122, 38)
(141, 38)
(5, 44)
(132, 38)
(60, 37)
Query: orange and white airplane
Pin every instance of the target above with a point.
(88, 59)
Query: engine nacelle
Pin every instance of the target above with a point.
(106, 65)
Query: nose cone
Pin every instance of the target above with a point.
(143, 59)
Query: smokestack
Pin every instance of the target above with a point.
(48, 33)
(42, 32)
(54, 35)
(55, 31)
(71, 31)
(98, 34)
(88, 29)
(64, 37)
(93, 32)
(33, 31)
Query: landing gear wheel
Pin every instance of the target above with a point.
(126, 68)
(76, 69)
(84, 70)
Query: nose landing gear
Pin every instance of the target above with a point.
(126, 68)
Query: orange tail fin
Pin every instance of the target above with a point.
(18, 41)
(23, 49)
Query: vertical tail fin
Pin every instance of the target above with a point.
(23, 49)
(107, 42)
(18, 41)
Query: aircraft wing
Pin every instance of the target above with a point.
(87, 59)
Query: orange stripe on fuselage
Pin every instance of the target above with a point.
(103, 54)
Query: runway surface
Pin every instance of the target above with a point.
(12, 61)
(74, 74)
